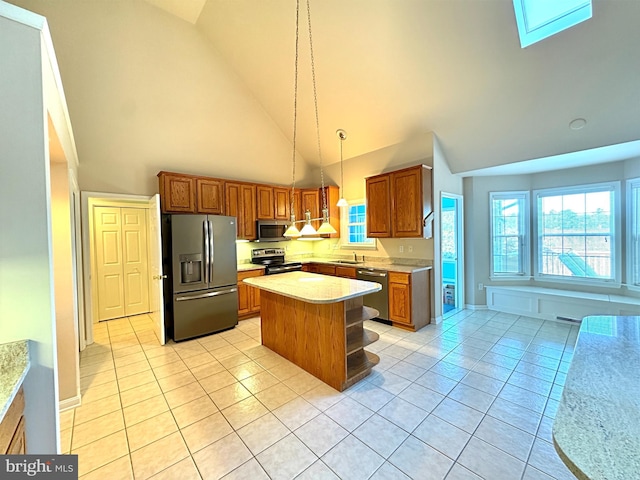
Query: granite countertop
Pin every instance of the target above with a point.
(244, 267)
(313, 288)
(14, 365)
(597, 429)
(376, 265)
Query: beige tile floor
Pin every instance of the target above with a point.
(473, 397)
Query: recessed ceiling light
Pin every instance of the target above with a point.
(577, 124)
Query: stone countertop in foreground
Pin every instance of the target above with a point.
(597, 428)
(14, 365)
(312, 287)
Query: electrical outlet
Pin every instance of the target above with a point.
(401, 248)
(410, 248)
(480, 286)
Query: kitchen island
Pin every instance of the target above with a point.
(316, 322)
(596, 430)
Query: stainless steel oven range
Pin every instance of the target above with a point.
(273, 260)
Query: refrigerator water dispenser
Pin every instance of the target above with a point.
(190, 268)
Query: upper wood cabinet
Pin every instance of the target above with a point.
(265, 203)
(332, 195)
(240, 203)
(177, 193)
(282, 204)
(378, 206)
(309, 201)
(210, 196)
(399, 203)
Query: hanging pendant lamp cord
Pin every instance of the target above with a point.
(341, 169)
(315, 103)
(295, 109)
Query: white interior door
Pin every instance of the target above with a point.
(156, 302)
(108, 242)
(135, 267)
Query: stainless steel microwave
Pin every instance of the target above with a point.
(271, 230)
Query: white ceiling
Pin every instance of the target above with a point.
(387, 69)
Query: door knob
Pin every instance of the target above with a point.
(159, 277)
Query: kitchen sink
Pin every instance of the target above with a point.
(349, 262)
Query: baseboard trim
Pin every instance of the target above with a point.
(69, 403)
(476, 307)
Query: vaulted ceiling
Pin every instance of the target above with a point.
(388, 69)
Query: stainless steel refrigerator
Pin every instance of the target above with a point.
(201, 294)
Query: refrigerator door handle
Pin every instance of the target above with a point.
(211, 250)
(206, 295)
(205, 226)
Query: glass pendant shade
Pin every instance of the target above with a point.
(342, 202)
(292, 231)
(326, 227)
(308, 230)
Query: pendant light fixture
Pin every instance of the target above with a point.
(342, 135)
(308, 229)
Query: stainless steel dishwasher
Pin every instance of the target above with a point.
(380, 299)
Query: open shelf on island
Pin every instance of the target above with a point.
(359, 365)
(360, 314)
(359, 338)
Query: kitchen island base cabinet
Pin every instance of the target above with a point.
(325, 339)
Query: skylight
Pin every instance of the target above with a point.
(539, 19)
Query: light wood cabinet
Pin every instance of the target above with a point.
(410, 299)
(347, 272)
(210, 196)
(400, 297)
(248, 202)
(378, 206)
(12, 437)
(248, 297)
(265, 202)
(332, 195)
(400, 204)
(309, 200)
(240, 203)
(282, 204)
(177, 193)
(325, 269)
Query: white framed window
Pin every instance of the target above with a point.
(510, 246)
(354, 226)
(576, 238)
(633, 233)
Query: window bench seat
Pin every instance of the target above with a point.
(555, 304)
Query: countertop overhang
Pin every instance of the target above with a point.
(597, 427)
(312, 287)
(14, 365)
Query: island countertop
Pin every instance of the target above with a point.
(597, 431)
(14, 365)
(312, 287)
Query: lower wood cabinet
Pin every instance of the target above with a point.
(248, 297)
(347, 272)
(12, 439)
(410, 299)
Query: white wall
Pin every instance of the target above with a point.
(66, 329)
(147, 92)
(443, 181)
(26, 269)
